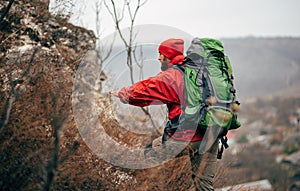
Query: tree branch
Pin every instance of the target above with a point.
(6, 10)
(58, 118)
(11, 97)
(130, 49)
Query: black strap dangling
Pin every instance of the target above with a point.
(221, 148)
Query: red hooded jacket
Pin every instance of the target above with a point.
(167, 87)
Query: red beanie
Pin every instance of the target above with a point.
(171, 48)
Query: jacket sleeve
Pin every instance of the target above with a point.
(160, 89)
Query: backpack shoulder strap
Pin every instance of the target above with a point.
(179, 67)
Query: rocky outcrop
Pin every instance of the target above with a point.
(29, 24)
(39, 54)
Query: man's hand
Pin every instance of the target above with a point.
(114, 93)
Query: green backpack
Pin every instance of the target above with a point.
(210, 92)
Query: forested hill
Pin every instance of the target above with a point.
(265, 66)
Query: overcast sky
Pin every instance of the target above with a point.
(214, 18)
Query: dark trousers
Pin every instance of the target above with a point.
(203, 165)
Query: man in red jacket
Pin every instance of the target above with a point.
(167, 87)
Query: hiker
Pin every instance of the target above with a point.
(167, 87)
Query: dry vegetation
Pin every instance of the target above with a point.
(40, 146)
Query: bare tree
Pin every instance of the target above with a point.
(14, 92)
(103, 50)
(58, 117)
(131, 9)
(65, 8)
(118, 17)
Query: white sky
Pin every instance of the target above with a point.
(213, 18)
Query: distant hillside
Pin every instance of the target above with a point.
(262, 66)
(265, 66)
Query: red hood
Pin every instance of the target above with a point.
(176, 60)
